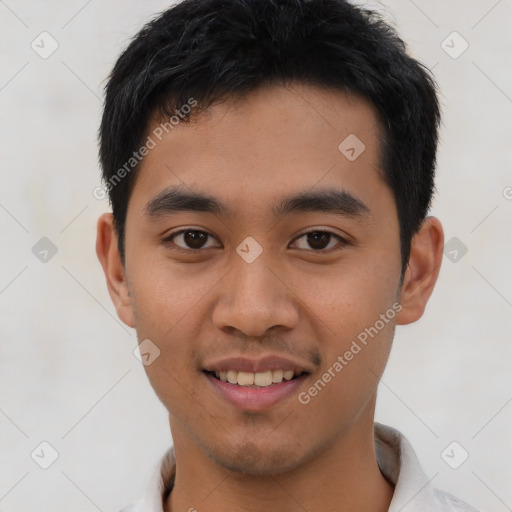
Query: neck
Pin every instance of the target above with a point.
(344, 477)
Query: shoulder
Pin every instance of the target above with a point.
(133, 507)
(401, 466)
(452, 504)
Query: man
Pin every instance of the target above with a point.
(270, 165)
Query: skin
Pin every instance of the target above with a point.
(292, 300)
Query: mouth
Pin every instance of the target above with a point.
(256, 380)
(256, 392)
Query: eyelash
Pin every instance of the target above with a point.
(169, 239)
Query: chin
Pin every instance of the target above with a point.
(248, 459)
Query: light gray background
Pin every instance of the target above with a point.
(67, 372)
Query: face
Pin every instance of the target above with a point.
(251, 281)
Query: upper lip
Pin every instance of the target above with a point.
(243, 364)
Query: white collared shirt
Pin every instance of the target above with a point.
(395, 456)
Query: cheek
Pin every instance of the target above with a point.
(348, 299)
(355, 333)
(171, 308)
(354, 315)
(164, 294)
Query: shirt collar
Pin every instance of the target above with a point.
(395, 457)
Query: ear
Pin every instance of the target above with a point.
(422, 270)
(110, 259)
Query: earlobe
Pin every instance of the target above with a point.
(110, 259)
(422, 271)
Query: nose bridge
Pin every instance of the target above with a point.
(255, 299)
(255, 282)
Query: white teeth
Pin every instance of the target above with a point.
(263, 378)
(260, 379)
(245, 379)
(277, 376)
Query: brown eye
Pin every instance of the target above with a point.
(190, 239)
(320, 240)
(194, 239)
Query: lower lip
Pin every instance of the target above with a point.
(255, 399)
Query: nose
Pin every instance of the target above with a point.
(256, 298)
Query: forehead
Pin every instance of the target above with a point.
(276, 139)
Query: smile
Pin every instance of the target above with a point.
(255, 379)
(244, 392)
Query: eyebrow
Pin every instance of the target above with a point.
(329, 200)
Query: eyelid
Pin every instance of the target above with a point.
(169, 239)
(320, 229)
(343, 240)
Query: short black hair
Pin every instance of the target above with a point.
(211, 50)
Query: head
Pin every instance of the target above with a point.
(295, 141)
